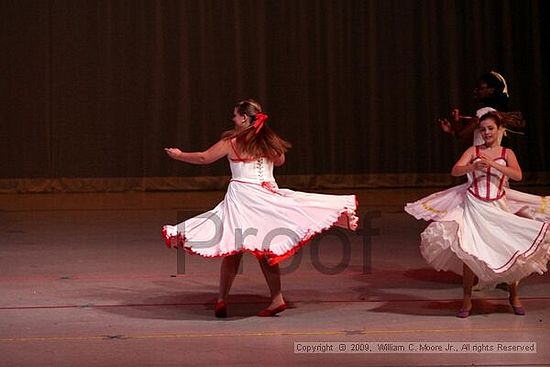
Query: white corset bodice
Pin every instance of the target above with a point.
(488, 184)
(254, 171)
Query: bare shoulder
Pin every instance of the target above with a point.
(471, 151)
(223, 143)
(225, 140)
(509, 153)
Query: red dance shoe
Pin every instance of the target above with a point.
(220, 310)
(268, 313)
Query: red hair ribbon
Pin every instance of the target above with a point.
(259, 121)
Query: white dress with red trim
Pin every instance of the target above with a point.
(258, 217)
(481, 231)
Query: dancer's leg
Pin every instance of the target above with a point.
(272, 274)
(515, 301)
(467, 283)
(514, 294)
(228, 272)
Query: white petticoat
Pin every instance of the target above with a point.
(263, 220)
(496, 244)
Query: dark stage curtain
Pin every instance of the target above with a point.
(94, 90)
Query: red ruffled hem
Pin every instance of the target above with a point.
(273, 258)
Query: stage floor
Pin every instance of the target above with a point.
(86, 280)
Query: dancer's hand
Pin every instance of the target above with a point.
(484, 161)
(173, 152)
(445, 125)
(487, 160)
(480, 164)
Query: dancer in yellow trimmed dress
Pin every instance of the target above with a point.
(476, 232)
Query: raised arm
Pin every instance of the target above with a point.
(462, 127)
(212, 154)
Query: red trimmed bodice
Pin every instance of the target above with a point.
(488, 184)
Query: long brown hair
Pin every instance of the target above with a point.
(263, 143)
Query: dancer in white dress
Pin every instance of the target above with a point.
(256, 216)
(491, 92)
(477, 233)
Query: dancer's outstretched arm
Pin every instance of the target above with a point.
(212, 154)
